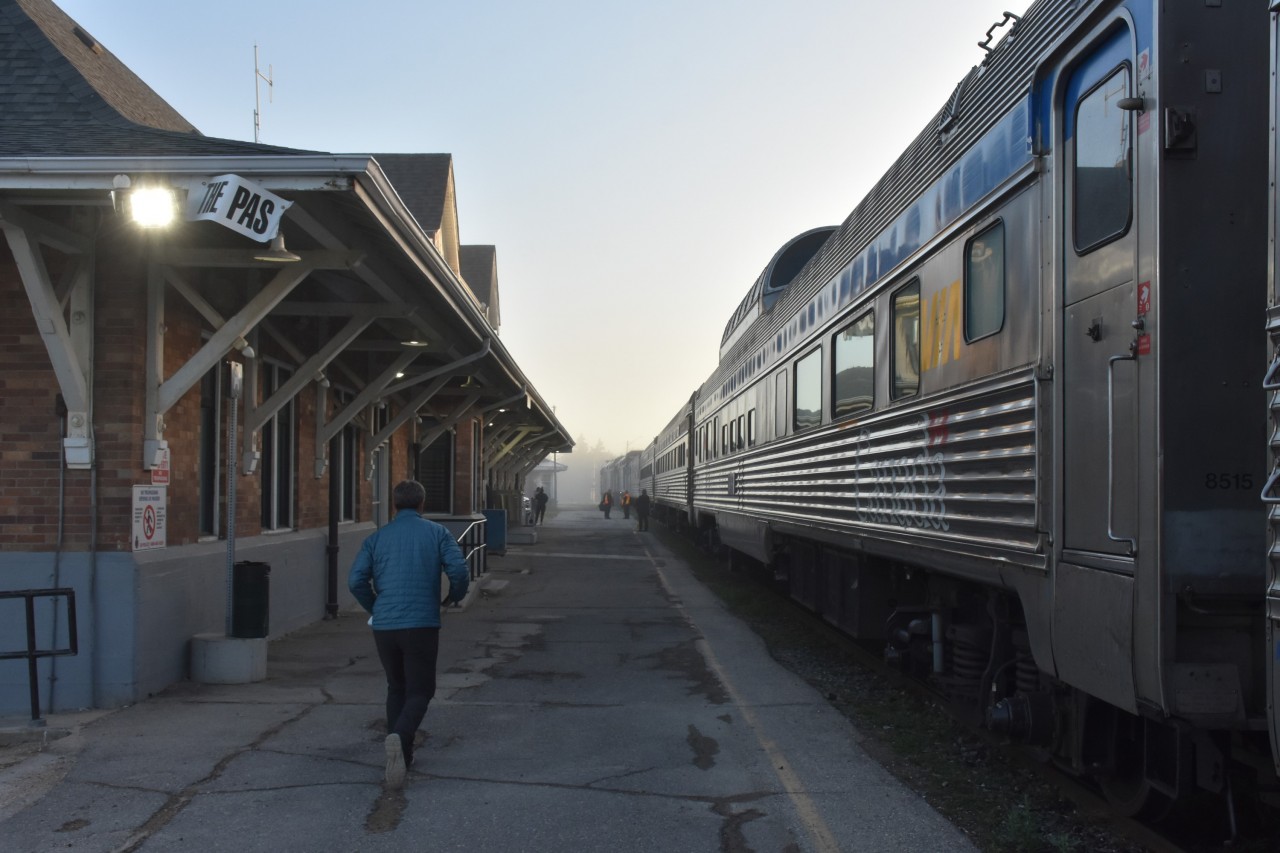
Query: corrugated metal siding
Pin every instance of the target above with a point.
(962, 472)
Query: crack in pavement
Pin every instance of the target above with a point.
(175, 803)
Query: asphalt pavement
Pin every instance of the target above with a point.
(592, 696)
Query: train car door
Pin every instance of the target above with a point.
(1097, 375)
(1099, 299)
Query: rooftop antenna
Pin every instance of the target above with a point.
(257, 74)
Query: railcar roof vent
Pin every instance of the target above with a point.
(951, 112)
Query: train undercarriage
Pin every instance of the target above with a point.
(970, 644)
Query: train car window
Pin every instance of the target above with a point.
(808, 401)
(906, 340)
(984, 284)
(751, 428)
(780, 400)
(853, 386)
(742, 431)
(1103, 179)
(724, 439)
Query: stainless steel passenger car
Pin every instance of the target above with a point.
(1007, 415)
(670, 484)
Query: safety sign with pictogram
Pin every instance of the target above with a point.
(148, 517)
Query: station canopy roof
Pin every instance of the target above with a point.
(378, 262)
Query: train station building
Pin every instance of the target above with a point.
(218, 353)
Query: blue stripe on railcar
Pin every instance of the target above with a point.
(1113, 52)
(1001, 152)
(1116, 50)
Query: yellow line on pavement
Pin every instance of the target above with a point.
(819, 832)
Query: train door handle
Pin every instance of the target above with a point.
(1111, 453)
(1270, 382)
(1267, 491)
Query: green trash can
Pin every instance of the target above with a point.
(250, 599)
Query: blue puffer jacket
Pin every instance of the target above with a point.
(396, 575)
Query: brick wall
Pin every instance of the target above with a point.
(463, 480)
(30, 431)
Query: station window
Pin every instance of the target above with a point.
(210, 444)
(984, 283)
(906, 340)
(346, 465)
(808, 401)
(436, 472)
(277, 453)
(1103, 180)
(854, 383)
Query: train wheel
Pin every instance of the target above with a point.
(1127, 789)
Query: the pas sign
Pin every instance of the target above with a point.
(238, 204)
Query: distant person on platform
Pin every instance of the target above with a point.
(539, 505)
(606, 503)
(642, 510)
(396, 577)
(626, 504)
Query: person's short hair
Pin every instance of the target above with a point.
(408, 494)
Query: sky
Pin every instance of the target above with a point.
(635, 164)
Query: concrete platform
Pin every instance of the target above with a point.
(522, 536)
(591, 695)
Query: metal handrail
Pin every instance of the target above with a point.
(466, 539)
(32, 653)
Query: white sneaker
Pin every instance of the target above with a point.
(395, 762)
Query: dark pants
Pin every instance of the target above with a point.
(642, 519)
(626, 510)
(408, 657)
(541, 511)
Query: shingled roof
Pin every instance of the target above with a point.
(425, 185)
(480, 272)
(64, 94)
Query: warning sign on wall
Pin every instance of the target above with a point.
(160, 471)
(148, 517)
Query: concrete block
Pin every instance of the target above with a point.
(218, 659)
(522, 536)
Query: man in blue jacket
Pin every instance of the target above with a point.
(396, 577)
